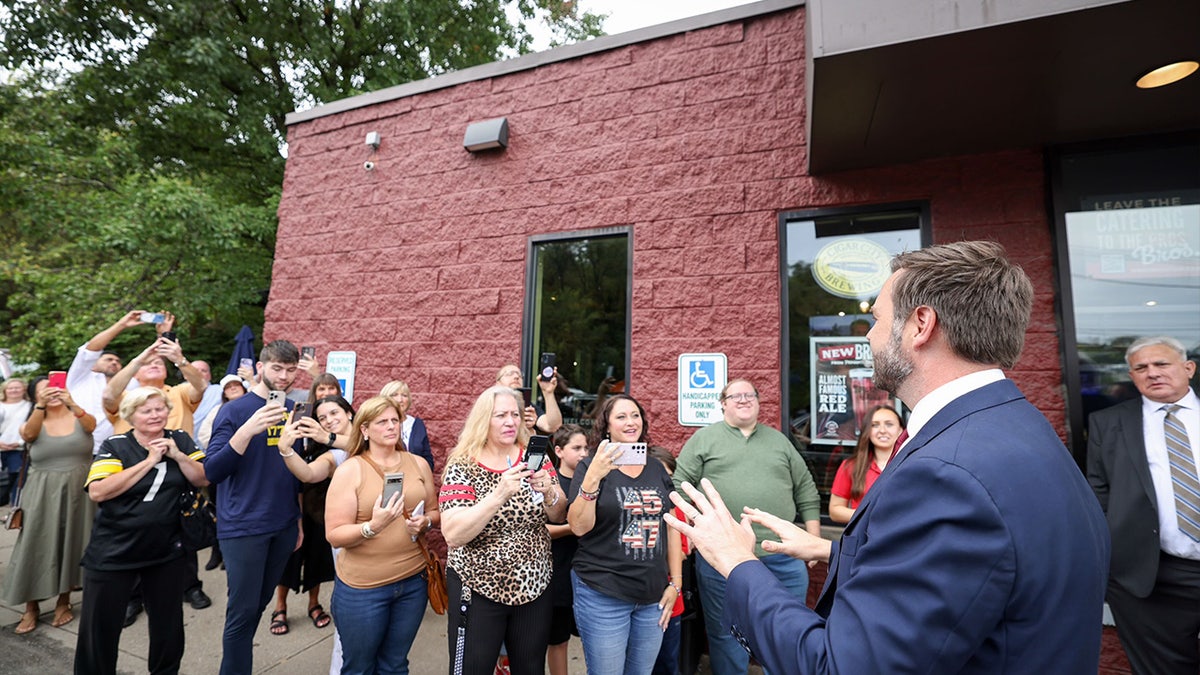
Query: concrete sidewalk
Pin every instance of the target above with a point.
(305, 650)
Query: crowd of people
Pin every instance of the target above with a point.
(947, 562)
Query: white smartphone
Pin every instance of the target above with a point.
(419, 511)
(631, 454)
(277, 397)
(393, 483)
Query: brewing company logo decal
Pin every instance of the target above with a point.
(852, 268)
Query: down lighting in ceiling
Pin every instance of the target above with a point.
(1168, 74)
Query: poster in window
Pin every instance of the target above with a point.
(843, 388)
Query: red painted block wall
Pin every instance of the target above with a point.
(696, 140)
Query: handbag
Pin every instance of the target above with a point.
(439, 599)
(16, 517)
(197, 520)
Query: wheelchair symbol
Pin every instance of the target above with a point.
(703, 374)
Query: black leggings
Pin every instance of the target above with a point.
(103, 611)
(524, 630)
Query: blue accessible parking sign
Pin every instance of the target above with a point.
(701, 378)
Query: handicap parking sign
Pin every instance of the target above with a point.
(701, 378)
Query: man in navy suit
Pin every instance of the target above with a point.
(979, 550)
(1154, 591)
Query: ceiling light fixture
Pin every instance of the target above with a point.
(1168, 74)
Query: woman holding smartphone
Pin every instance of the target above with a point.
(628, 568)
(494, 515)
(380, 593)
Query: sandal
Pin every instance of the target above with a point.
(279, 626)
(27, 624)
(62, 616)
(319, 616)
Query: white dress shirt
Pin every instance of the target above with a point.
(1171, 539)
(87, 388)
(941, 397)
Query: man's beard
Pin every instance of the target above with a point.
(271, 386)
(892, 365)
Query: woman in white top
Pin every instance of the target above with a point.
(13, 412)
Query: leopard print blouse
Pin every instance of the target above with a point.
(509, 560)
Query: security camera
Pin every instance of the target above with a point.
(369, 165)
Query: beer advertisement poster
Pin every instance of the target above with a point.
(843, 389)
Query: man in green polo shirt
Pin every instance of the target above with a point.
(750, 464)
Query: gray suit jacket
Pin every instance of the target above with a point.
(1119, 474)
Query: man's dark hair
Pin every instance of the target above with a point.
(279, 351)
(109, 351)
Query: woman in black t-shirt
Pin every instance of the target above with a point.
(627, 569)
(136, 535)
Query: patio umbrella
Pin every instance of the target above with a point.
(243, 348)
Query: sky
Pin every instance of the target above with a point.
(627, 15)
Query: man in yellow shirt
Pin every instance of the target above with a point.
(150, 369)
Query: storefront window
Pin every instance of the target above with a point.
(1131, 232)
(578, 309)
(834, 264)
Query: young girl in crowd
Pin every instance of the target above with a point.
(856, 475)
(627, 571)
(667, 662)
(570, 446)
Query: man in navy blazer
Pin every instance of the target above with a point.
(979, 550)
(1154, 591)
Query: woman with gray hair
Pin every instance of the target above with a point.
(137, 479)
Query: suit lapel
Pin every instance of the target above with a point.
(1134, 443)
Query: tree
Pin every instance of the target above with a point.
(140, 147)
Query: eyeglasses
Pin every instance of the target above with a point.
(744, 396)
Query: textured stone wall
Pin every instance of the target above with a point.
(695, 140)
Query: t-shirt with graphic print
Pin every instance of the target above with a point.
(509, 560)
(625, 553)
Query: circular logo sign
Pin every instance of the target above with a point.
(852, 268)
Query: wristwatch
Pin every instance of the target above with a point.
(332, 439)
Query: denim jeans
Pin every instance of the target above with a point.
(667, 662)
(253, 566)
(377, 626)
(618, 636)
(726, 656)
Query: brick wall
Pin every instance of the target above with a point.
(696, 140)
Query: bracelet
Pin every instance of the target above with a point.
(555, 500)
(589, 496)
(367, 532)
(80, 414)
(428, 523)
(287, 455)
(672, 585)
(40, 407)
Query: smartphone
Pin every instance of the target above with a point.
(527, 394)
(392, 483)
(277, 397)
(631, 454)
(301, 410)
(58, 378)
(153, 317)
(246, 363)
(546, 366)
(170, 335)
(309, 353)
(536, 452)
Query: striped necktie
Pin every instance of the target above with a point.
(1183, 473)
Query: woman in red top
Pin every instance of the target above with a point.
(856, 475)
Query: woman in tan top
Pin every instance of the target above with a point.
(379, 596)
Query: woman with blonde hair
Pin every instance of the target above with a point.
(413, 432)
(379, 595)
(137, 479)
(494, 515)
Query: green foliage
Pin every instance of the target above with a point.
(140, 145)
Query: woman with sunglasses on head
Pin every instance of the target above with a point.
(628, 568)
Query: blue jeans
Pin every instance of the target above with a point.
(377, 626)
(726, 656)
(618, 636)
(253, 566)
(667, 662)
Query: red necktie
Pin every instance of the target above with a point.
(900, 440)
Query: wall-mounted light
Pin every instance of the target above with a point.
(1168, 74)
(373, 139)
(486, 135)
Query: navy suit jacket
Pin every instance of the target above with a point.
(1119, 473)
(980, 549)
(418, 441)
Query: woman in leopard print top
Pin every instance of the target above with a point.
(494, 515)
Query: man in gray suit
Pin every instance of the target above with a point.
(1142, 463)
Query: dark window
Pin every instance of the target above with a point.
(834, 263)
(577, 307)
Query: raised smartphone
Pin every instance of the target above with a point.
(57, 378)
(536, 452)
(546, 366)
(393, 483)
(153, 317)
(631, 454)
(309, 353)
(277, 397)
(527, 394)
(301, 410)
